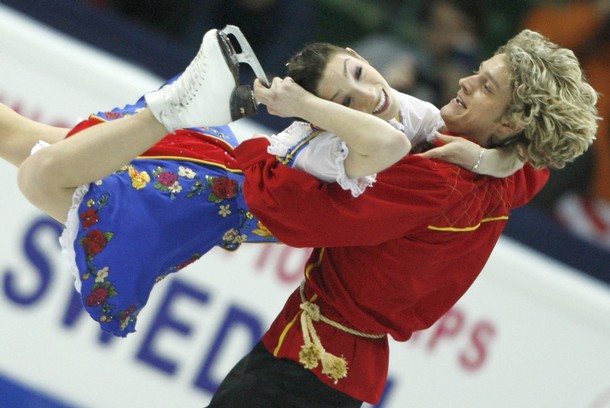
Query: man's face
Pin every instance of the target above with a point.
(349, 80)
(480, 103)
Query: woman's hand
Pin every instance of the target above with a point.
(284, 98)
(456, 150)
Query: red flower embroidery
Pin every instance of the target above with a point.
(89, 218)
(126, 314)
(97, 296)
(223, 187)
(94, 242)
(167, 178)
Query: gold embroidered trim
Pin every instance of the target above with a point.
(467, 229)
(292, 151)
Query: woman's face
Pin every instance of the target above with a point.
(349, 80)
(481, 102)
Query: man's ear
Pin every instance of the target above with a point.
(510, 128)
(508, 134)
(355, 54)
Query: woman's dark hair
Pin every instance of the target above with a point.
(307, 66)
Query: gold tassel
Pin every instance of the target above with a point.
(334, 367)
(309, 355)
(313, 351)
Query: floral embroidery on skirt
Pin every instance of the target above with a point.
(149, 219)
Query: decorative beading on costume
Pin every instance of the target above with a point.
(327, 161)
(312, 351)
(288, 143)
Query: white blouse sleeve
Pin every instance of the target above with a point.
(419, 119)
(325, 157)
(322, 156)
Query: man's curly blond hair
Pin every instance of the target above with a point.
(552, 101)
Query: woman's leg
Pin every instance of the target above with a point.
(203, 95)
(48, 178)
(19, 134)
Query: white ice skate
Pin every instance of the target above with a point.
(208, 92)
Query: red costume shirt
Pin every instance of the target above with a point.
(391, 261)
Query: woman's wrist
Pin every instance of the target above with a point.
(476, 165)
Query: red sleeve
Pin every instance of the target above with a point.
(527, 183)
(302, 211)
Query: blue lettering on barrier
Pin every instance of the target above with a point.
(235, 318)
(164, 320)
(38, 260)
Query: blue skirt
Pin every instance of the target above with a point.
(149, 219)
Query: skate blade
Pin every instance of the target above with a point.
(243, 103)
(247, 55)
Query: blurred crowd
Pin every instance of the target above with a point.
(422, 47)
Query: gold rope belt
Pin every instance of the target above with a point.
(313, 351)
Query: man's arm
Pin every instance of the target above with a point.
(528, 182)
(305, 212)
